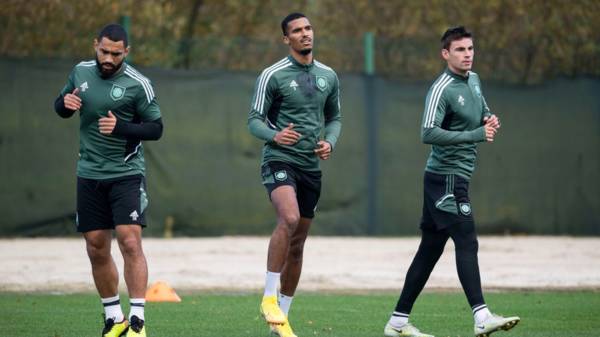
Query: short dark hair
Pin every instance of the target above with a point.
(453, 34)
(114, 32)
(290, 17)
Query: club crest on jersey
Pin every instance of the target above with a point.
(294, 85)
(84, 86)
(321, 83)
(117, 92)
(461, 100)
(465, 208)
(281, 175)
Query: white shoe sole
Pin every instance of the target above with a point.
(507, 326)
(391, 332)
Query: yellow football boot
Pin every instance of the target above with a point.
(282, 330)
(270, 310)
(112, 329)
(136, 328)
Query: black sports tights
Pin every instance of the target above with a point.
(430, 250)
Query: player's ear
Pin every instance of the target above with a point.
(445, 54)
(95, 44)
(126, 51)
(286, 40)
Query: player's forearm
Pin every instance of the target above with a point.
(332, 132)
(486, 110)
(139, 131)
(260, 130)
(439, 136)
(61, 109)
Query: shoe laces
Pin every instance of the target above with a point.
(136, 324)
(108, 324)
(271, 300)
(410, 328)
(495, 317)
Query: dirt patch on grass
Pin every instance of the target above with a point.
(330, 263)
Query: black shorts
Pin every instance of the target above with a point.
(103, 204)
(307, 184)
(445, 201)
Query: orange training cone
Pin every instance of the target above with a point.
(161, 292)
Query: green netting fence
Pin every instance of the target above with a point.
(541, 175)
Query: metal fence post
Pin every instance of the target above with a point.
(126, 23)
(371, 124)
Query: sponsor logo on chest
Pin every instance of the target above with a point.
(461, 100)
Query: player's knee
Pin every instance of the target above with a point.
(431, 248)
(291, 219)
(429, 255)
(98, 252)
(130, 246)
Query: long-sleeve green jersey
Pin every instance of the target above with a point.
(130, 97)
(306, 95)
(453, 123)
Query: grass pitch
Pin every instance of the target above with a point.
(543, 314)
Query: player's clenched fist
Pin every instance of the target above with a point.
(323, 150)
(72, 101)
(492, 124)
(287, 136)
(493, 121)
(107, 124)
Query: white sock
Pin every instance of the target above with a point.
(398, 319)
(271, 283)
(285, 302)
(112, 308)
(480, 313)
(137, 308)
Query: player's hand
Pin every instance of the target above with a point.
(287, 136)
(493, 120)
(72, 101)
(323, 150)
(490, 132)
(107, 124)
(492, 124)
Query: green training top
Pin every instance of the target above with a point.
(453, 123)
(306, 95)
(130, 97)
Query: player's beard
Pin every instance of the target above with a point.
(108, 73)
(305, 51)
